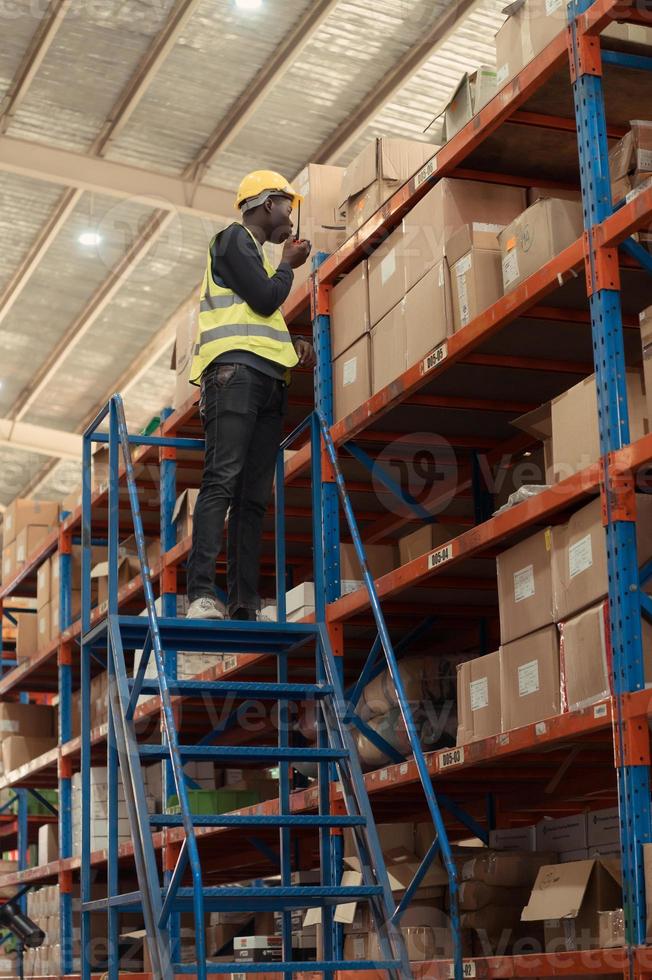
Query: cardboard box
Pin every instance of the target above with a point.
(44, 627)
(543, 230)
(478, 698)
(27, 719)
(183, 513)
(611, 929)
(27, 635)
(449, 206)
(128, 568)
(186, 318)
(645, 320)
(503, 869)
(574, 416)
(585, 658)
(100, 468)
(376, 173)
(581, 854)
(476, 271)
(43, 584)
(529, 679)
(21, 513)
(300, 601)
(603, 827)
(531, 26)
(568, 898)
(525, 589)
(28, 540)
(579, 556)
(514, 839)
(381, 559)
(472, 93)
(418, 323)
(563, 835)
(388, 273)
(18, 750)
(632, 153)
(535, 194)
(48, 844)
(352, 378)
(425, 539)
(350, 309)
(8, 563)
(322, 221)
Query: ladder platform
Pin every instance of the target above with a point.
(206, 636)
(261, 820)
(245, 689)
(251, 899)
(300, 966)
(243, 753)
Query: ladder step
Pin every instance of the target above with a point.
(291, 968)
(261, 899)
(257, 820)
(207, 636)
(245, 689)
(244, 753)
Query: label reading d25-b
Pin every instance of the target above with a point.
(440, 556)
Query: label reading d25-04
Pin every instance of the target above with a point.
(451, 757)
(434, 358)
(440, 556)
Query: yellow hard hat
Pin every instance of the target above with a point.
(256, 187)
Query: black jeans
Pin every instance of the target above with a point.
(242, 414)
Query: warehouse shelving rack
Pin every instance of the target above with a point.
(491, 344)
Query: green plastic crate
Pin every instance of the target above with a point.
(204, 801)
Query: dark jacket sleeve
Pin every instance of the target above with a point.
(237, 264)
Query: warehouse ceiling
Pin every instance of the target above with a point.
(134, 120)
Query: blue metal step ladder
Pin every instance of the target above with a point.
(162, 897)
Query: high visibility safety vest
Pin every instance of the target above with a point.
(227, 323)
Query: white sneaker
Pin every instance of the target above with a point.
(204, 608)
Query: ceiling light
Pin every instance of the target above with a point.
(527, 453)
(249, 4)
(90, 238)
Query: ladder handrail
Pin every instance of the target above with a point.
(406, 714)
(190, 853)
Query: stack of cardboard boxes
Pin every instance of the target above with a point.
(100, 811)
(25, 525)
(630, 160)
(26, 732)
(552, 583)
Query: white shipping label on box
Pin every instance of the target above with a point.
(479, 693)
(9, 726)
(524, 583)
(350, 371)
(463, 265)
(463, 299)
(580, 556)
(552, 6)
(528, 678)
(388, 267)
(510, 268)
(501, 74)
(644, 160)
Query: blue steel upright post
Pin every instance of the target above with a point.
(65, 762)
(168, 590)
(113, 769)
(330, 524)
(85, 871)
(603, 283)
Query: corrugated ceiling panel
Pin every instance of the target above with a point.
(96, 51)
(168, 274)
(17, 468)
(25, 206)
(18, 24)
(61, 287)
(220, 52)
(345, 60)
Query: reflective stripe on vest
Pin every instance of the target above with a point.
(227, 322)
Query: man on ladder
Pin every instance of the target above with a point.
(242, 361)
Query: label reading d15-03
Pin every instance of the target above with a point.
(440, 556)
(434, 358)
(451, 757)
